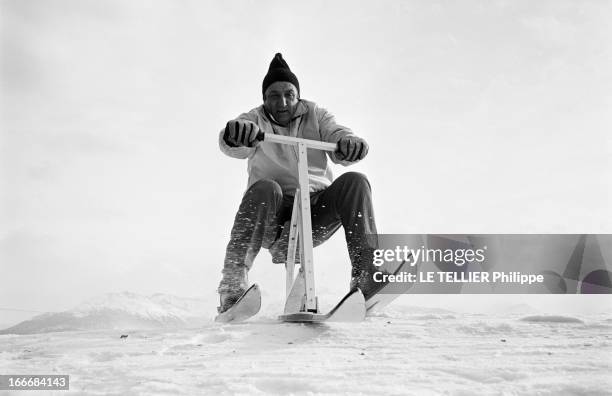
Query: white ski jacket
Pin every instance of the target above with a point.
(278, 162)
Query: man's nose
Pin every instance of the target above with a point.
(284, 102)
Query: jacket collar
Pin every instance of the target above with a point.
(300, 110)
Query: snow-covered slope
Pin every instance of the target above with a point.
(119, 311)
(405, 352)
(136, 344)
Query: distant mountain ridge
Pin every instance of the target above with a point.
(124, 310)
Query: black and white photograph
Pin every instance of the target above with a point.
(272, 197)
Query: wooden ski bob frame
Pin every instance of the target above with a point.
(301, 302)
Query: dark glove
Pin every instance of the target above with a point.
(241, 133)
(352, 148)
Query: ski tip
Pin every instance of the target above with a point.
(246, 306)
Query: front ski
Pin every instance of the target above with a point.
(350, 309)
(246, 306)
(390, 291)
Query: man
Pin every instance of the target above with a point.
(265, 210)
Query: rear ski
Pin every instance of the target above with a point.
(351, 308)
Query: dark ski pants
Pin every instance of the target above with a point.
(265, 213)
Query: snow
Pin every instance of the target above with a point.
(551, 319)
(407, 350)
(156, 306)
(120, 310)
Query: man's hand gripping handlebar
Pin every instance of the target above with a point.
(247, 134)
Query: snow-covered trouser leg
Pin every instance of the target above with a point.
(347, 202)
(255, 222)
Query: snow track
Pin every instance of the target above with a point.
(399, 353)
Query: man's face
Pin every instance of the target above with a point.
(280, 100)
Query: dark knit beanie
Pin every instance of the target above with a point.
(279, 71)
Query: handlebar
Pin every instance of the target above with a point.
(312, 144)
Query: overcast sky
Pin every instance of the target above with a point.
(482, 117)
